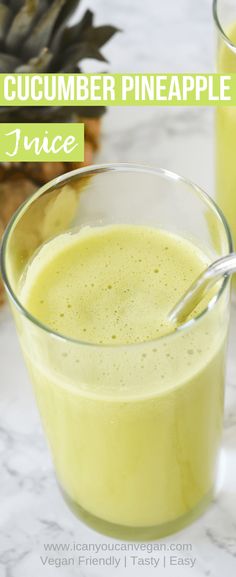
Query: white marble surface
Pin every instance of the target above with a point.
(158, 36)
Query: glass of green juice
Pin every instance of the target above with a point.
(224, 14)
(131, 405)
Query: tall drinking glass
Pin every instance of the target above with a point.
(224, 13)
(134, 430)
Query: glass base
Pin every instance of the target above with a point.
(138, 533)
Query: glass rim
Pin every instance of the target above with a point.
(99, 169)
(220, 28)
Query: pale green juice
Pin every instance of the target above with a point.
(134, 430)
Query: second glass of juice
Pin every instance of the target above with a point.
(224, 13)
(132, 407)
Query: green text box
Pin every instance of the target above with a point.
(49, 89)
(63, 142)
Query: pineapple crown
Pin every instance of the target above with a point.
(35, 37)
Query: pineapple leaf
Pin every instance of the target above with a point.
(15, 4)
(35, 37)
(8, 63)
(80, 34)
(22, 24)
(43, 29)
(100, 35)
(43, 5)
(67, 11)
(79, 52)
(68, 36)
(39, 63)
(5, 19)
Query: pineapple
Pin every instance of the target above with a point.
(35, 37)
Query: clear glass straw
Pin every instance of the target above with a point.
(197, 291)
